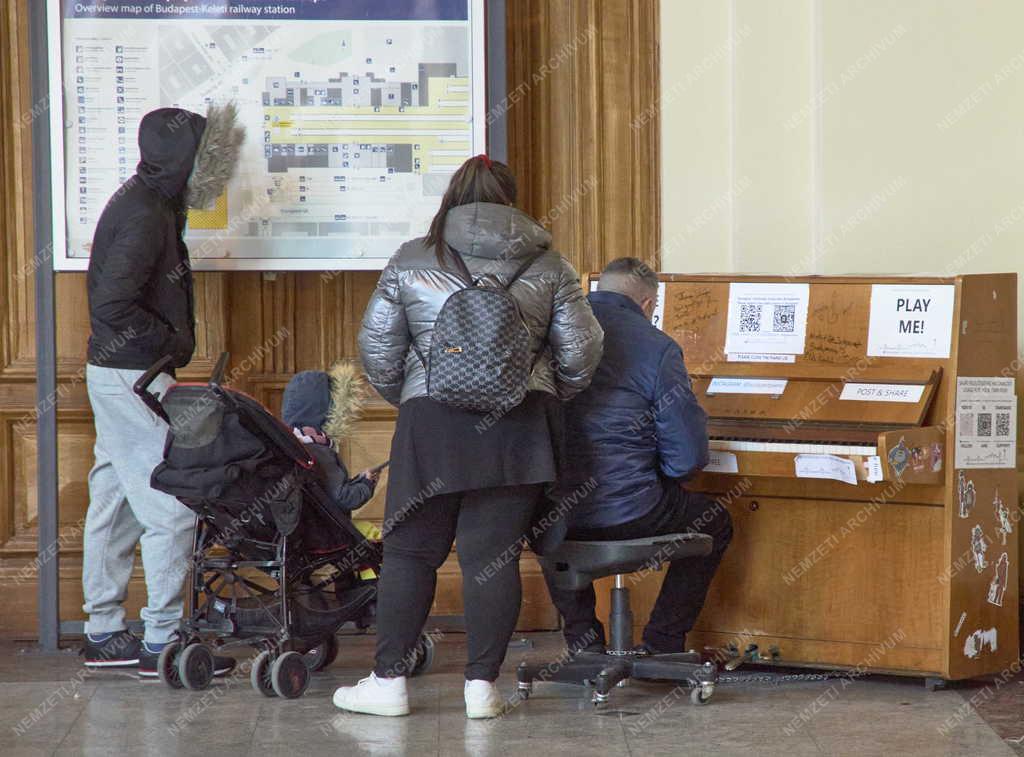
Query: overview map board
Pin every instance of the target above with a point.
(357, 112)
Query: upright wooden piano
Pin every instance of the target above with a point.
(898, 561)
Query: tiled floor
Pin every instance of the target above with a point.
(48, 705)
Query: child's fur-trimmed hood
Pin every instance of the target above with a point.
(348, 393)
(216, 156)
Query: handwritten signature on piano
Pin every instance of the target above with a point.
(831, 313)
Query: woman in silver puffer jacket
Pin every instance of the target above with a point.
(456, 474)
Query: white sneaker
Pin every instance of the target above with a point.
(483, 700)
(374, 696)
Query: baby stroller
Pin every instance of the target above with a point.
(274, 564)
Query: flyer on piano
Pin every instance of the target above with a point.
(986, 422)
(767, 318)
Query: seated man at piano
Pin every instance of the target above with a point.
(632, 438)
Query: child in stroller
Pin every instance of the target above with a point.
(277, 563)
(320, 407)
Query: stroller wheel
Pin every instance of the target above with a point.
(424, 656)
(289, 675)
(195, 667)
(259, 675)
(167, 665)
(322, 655)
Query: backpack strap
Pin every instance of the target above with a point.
(460, 263)
(529, 261)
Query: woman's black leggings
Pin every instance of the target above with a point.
(488, 525)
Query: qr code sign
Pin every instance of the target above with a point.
(1002, 424)
(783, 318)
(984, 424)
(750, 318)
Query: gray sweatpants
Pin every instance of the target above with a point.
(124, 510)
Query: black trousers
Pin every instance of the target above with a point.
(686, 582)
(488, 526)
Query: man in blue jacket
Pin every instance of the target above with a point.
(632, 438)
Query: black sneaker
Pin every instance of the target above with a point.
(148, 660)
(119, 650)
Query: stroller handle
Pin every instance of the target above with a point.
(217, 377)
(141, 387)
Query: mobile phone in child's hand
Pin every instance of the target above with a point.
(373, 474)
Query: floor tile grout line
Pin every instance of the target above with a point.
(71, 725)
(256, 722)
(819, 747)
(625, 738)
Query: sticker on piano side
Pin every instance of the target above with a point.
(997, 588)
(759, 357)
(936, 456)
(899, 457)
(882, 392)
(826, 466)
(910, 320)
(766, 318)
(720, 461)
(960, 624)
(965, 494)
(977, 641)
(873, 469)
(728, 385)
(1002, 517)
(918, 459)
(979, 546)
(986, 422)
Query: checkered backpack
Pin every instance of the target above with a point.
(480, 351)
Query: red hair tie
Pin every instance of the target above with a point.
(485, 159)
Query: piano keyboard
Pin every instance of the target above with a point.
(813, 448)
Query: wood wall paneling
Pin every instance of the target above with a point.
(579, 72)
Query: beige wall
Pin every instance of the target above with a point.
(842, 136)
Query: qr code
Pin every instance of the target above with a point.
(967, 422)
(750, 318)
(783, 318)
(1002, 424)
(984, 424)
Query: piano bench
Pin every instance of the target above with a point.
(575, 565)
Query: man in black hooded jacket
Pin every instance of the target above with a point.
(141, 309)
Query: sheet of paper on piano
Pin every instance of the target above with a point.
(986, 429)
(759, 357)
(882, 392)
(826, 466)
(720, 461)
(730, 385)
(767, 318)
(873, 468)
(910, 320)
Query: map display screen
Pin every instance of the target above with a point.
(356, 113)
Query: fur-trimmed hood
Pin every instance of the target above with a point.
(216, 156)
(329, 401)
(348, 393)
